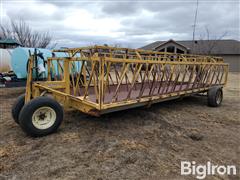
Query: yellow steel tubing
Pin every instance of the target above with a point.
(208, 68)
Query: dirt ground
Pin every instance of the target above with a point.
(141, 143)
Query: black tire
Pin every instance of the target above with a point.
(33, 113)
(17, 106)
(215, 96)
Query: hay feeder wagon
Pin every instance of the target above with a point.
(109, 79)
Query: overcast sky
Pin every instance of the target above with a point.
(127, 23)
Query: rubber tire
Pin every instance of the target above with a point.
(212, 96)
(25, 116)
(17, 106)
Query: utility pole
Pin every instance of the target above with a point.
(194, 27)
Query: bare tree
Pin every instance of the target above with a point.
(206, 43)
(23, 34)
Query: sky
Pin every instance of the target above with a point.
(125, 23)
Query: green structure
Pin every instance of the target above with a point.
(8, 43)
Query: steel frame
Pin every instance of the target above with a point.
(112, 79)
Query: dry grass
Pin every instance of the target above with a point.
(133, 144)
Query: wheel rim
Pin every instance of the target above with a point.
(219, 97)
(44, 117)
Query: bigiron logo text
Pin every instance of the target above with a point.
(200, 171)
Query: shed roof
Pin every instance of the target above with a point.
(200, 46)
(8, 41)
